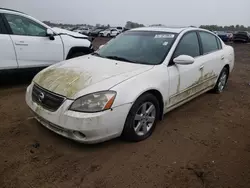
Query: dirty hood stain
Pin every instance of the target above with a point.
(69, 77)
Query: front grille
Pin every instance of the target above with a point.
(46, 99)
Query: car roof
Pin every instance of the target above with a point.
(6, 10)
(173, 29)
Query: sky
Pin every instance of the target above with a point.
(147, 12)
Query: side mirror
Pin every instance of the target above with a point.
(50, 34)
(101, 46)
(184, 60)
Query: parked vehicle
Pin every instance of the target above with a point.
(225, 36)
(28, 43)
(95, 32)
(84, 31)
(127, 85)
(120, 29)
(109, 33)
(242, 36)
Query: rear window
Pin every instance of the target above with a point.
(219, 43)
(242, 33)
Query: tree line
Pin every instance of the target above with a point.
(131, 25)
(226, 28)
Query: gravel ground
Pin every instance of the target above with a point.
(204, 143)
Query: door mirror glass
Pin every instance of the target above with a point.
(184, 60)
(50, 34)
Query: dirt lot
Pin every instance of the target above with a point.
(205, 143)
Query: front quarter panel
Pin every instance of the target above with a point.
(131, 89)
(70, 42)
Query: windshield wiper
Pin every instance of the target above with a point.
(119, 58)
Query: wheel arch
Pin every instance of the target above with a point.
(228, 68)
(78, 49)
(158, 96)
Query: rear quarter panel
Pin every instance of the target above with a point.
(229, 55)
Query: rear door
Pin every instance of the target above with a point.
(33, 48)
(212, 56)
(7, 51)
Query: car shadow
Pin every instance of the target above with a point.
(16, 79)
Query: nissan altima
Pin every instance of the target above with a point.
(127, 85)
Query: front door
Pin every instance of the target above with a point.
(186, 80)
(7, 51)
(33, 47)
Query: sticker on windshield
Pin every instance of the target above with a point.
(165, 43)
(164, 36)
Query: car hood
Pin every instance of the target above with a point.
(70, 77)
(67, 32)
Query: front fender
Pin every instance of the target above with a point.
(154, 79)
(71, 42)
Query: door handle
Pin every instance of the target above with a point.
(21, 43)
(222, 57)
(201, 67)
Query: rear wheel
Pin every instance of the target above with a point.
(222, 81)
(142, 118)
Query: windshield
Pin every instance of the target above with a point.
(145, 47)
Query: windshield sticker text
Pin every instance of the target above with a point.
(164, 36)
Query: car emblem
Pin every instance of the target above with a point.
(41, 97)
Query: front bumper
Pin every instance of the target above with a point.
(86, 128)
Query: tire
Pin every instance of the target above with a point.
(222, 81)
(144, 124)
(108, 35)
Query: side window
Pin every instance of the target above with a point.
(209, 42)
(188, 45)
(2, 27)
(24, 26)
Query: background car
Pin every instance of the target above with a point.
(84, 31)
(25, 42)
(120, 29)
(225, 36)
(242, 36)
(112, 32)
(95, 32)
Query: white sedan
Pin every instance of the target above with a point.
(127, 85)
(109, 33)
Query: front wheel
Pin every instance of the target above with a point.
(222, 81)
(142, 118)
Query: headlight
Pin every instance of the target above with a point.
(94, 102)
